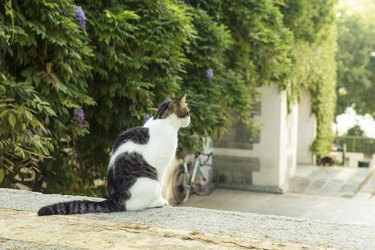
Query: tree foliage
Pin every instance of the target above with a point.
(356, 130)
(356, 58)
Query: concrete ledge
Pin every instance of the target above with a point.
(253, 188)
(165, 228)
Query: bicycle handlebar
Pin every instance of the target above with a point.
(200, 153)
(197, 154)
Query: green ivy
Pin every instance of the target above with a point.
(314, 67)
(288, 43)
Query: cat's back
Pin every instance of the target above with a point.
(131, 140)
(156, 141)
(137, 135)
(163, 137)
(161, 128)
(162, 144)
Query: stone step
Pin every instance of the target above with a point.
(334, 181)
(368, 189)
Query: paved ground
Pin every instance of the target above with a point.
(329, 209)
(166, 228)
(334, 194)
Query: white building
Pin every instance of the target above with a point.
(284, 141)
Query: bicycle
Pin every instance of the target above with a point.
(185, 179)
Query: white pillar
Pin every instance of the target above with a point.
(278, 139)
(306, 129)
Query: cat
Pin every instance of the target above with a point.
(327, 161)
(137, 165)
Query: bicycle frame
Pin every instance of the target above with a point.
(197, 167)
(184, 181)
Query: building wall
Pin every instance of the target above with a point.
(270, 162)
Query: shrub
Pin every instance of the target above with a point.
(43, 79)
(213, 88)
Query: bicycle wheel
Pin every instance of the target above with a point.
(207, 186)
(180, 186)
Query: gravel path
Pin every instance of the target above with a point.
(184, 226)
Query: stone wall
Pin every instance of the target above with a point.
(165, 228)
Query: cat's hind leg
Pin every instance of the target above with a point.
(145, 193)
(158, 200)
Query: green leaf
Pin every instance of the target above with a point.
(67, 68)
(12, 120)
(2, 175)
(50, 111)
(28, 115)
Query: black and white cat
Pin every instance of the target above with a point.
(137, 166)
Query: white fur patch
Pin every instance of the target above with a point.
(144, 193)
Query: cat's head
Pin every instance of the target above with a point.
(177, 111)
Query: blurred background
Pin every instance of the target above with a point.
(282, 92)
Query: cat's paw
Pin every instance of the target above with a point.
(160, 202)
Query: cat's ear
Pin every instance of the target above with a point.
(182, 100)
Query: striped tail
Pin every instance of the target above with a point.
(79, 207)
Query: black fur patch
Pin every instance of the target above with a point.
(168, 107)
(127, 168)
(163, 110)
(139, 135)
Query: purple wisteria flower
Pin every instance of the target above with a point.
(80, 16)
(210, 74)
(146, 118)
(79, 114)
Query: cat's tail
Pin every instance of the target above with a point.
(79, 207)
